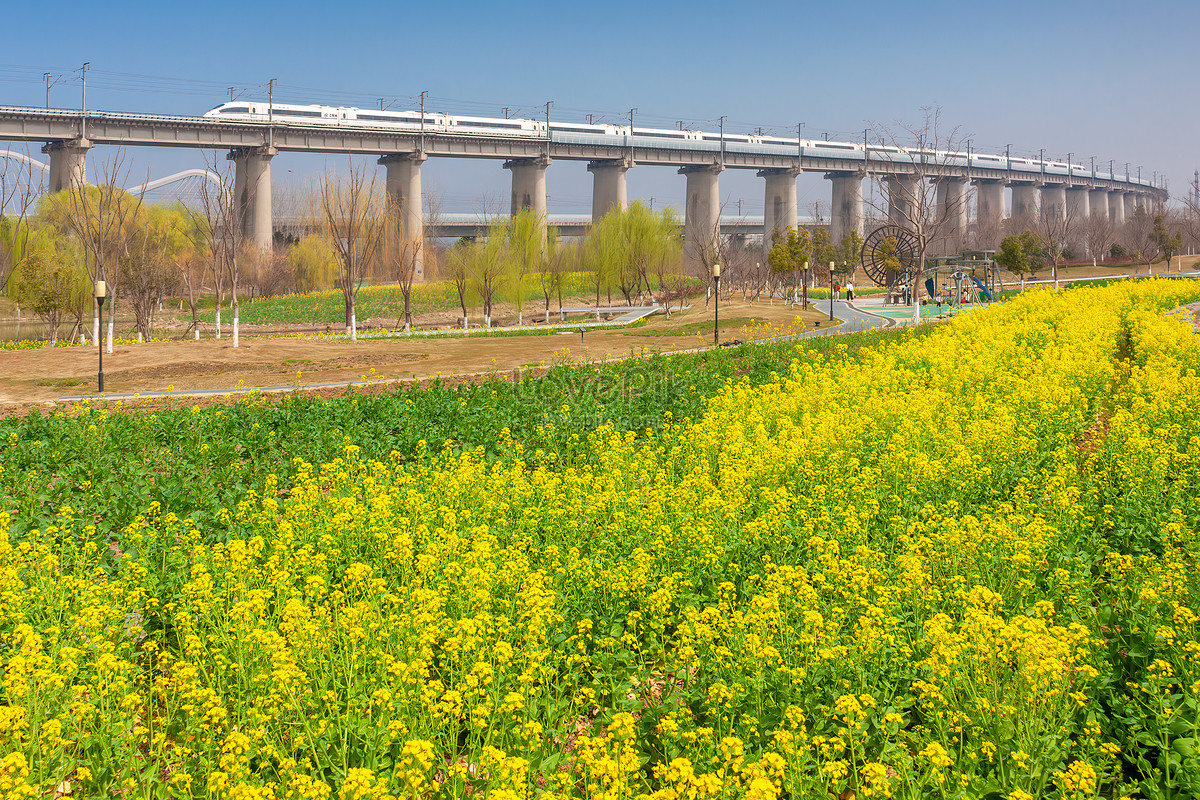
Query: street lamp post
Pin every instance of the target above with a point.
(831, 291)
(716, 303)
(100, 293)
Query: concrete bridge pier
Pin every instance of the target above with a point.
(952, 207)
(529, 184)
(1054, 199)
(702, 207)
(1024, 202)
(252, 193)
(402, 187)
(68, 163)
(1116, 207)
(902, 193)
(779, 204)
(847, 205)
(608, 185)
(1098, 203)
(1130, 205)
(989, 211)
(1079, 203)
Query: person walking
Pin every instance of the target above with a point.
(850, 290)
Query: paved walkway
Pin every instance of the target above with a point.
(628, 314)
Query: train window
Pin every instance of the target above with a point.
(236, 110)
(483, 124)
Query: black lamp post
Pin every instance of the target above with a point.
(101, 293)
(716, 303)
(831, 291)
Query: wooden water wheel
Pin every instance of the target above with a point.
(889, 255)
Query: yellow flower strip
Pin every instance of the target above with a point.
(875, 575)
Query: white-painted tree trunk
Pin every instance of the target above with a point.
(140, 339)
(235, 326)
(520, 318)
(218, 320)
(466, 324)
(110, 335)
(353, 326)
(197, 334)
(96, 329)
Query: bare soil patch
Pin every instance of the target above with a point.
(38, 378)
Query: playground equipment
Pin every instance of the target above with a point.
(890, 256)
(971, 274)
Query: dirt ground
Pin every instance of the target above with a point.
(41, 377)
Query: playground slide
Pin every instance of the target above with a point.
(930, 288)
(982, 289)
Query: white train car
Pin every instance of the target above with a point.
(347, 116)
(602, 133)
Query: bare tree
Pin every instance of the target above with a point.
(915, 176)
(220, 224)
(191, 278)
(148, 266)
(430, 265)
(1096, 233)
(18, 192)
(1188, 221)
(103, 218)
(401, 257)
(1054, 228)
(706, 246)
(292, 210)
(458, 262)
(353, 219)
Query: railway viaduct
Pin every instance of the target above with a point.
(69, 135)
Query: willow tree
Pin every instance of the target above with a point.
(653, 247)
(314, 264)
(606, 254)
(51, 281)
(790, 255)
(525, 239)
(631, 249)
(352, 218)
(19, 190)
(551, 272)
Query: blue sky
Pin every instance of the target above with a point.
(1114, 80)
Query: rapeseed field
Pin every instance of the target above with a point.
(958, 563)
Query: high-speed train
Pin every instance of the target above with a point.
(581, 133)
